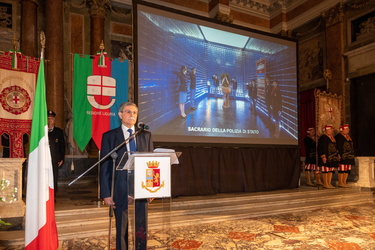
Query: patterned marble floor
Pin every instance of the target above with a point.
(344, 228)
(349, 227)
(339, 228)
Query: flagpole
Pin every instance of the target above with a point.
(40, 223)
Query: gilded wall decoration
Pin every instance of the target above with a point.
(6, 15)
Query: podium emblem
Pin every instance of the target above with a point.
(153, 177)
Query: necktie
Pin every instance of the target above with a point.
(132, 146)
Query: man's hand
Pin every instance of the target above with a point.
(108, 201)
(60, 163)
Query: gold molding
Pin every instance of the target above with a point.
(224, 17)
(334, 15)
(359, 4)
(98, 7)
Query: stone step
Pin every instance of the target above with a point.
(203, 205)
(185, 211)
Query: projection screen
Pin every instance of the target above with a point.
(235, 85)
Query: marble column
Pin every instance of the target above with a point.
(54, 54)
(29, 28)
(97, 17)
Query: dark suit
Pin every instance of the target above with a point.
(57, 148)
(110, 140)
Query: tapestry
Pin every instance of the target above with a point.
(17, 87)
(328, 111)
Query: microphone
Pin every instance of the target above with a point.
(142, 126)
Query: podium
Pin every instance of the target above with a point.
(149, 177)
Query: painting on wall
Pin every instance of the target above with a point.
(310, 56)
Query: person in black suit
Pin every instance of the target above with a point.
(57, 147)
(128, 113)
(193, 87)
(276, 106)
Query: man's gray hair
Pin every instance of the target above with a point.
(124, 104)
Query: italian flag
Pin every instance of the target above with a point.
(41, 230)
(100, 85)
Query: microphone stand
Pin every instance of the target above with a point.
(114, 157)
(105, 157)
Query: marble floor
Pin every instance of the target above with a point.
(344, 228)
(337, 228)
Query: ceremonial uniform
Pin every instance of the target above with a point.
(345, 147)
(193, 86)
(57, 148)
(346, 150)
(183, 90)
(328, 156)
(310, 162)
(327, 148)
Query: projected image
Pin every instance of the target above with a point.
(202, 82)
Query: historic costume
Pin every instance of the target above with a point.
(328, 156)
(346, 150)
(310, 162)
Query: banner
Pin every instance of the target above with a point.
(41, 230)
(99, 87)
(328, 111)
(17, 87)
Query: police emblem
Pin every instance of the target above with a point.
(15, 100)
(152, 177)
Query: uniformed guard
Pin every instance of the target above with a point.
(57, 147)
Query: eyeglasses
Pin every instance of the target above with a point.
(129, 112)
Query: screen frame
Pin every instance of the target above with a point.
(221, 26)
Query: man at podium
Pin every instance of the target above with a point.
(128, 113)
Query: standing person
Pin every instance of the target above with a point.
(128, 113)
(234, 86)
(268, 100)
(183, 90)
(310, 162)
(254, 95)
(328, 156)
(249, 88)
(346, 150)
(57, 147)
(215, 79)
(276, 104)
(193, 86)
